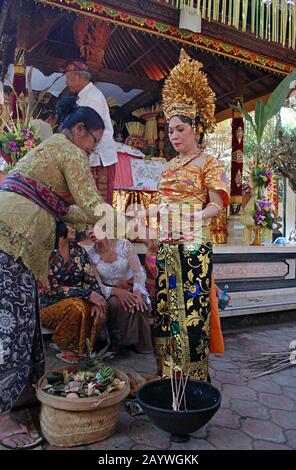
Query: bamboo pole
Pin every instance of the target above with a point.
(257, 18)
(229, 12)
(261, 27)
(223, 16)
(236, 13)
(209, 10)
(290, 26)
(253, 9)
(284, 22)
(267, 23)
(204, 8)
(245, 14)
(216, 10)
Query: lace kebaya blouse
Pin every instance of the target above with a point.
(126, 266)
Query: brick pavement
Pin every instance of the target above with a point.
(255, 414)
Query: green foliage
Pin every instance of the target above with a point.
(265, 111)
(283, 156)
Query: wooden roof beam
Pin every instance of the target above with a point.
(246, 85)
(126, 81)
(142, 56)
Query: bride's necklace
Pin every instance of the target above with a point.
(180, 161)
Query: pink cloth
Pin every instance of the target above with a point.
(123, 171)
(111, 170)
(104, 179)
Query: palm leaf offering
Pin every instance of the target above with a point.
(97, 380)
(92, 378)
(270, 362)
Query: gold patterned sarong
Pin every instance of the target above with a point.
(181, 330)
(72, 323)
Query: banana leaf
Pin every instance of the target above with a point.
(278, 96)
(265, 111)
(259, 119)
(247, 116)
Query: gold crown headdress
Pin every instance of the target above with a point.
(186, 92)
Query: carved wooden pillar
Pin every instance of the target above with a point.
(161, 122)
(235, 228)
(237, 161)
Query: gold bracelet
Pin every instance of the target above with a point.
(216, 205)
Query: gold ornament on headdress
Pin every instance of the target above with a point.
(186, 92)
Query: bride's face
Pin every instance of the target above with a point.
(181, 135)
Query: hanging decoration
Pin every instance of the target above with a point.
(99, 11)
(92, 37)
(136, 134)
(149, 115)
(274, 20)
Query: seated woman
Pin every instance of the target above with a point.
(122, 279)
(72, 304)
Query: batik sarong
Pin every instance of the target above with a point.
(72, 324)
(21, 347)
(181, 330)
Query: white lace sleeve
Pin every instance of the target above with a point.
(106, 290)
(139, 275)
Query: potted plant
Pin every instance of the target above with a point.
(259, 171)
(263, 216)
(17, 139)
(18, 135)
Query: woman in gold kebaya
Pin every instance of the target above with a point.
(193, 185)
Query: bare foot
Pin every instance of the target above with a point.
(14, 435)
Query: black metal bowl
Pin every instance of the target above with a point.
(202, 402)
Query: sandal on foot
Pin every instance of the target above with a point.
(67, 358)
(17, 432)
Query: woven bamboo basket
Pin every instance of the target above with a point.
(69, 422)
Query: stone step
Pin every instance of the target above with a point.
(259, 304)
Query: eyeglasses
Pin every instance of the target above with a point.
(96, 141)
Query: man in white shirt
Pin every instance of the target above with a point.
(79, 82)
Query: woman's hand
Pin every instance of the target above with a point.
(99, 313)
(140, 302)
(126, 298)
(98, 300)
